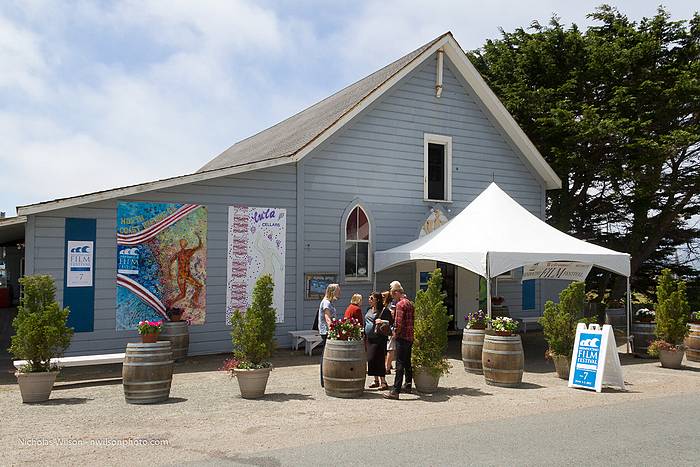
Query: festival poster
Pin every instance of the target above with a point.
(161, 262)
(256, 246)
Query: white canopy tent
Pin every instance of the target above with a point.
(493, 235)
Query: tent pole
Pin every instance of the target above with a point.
(488, 287)
(374, 281)
(629, 312)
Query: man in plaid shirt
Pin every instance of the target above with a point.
(403, 333)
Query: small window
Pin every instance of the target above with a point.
(357, 245)
(438, 168)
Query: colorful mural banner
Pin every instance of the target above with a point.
(161, 262)
(256, 246)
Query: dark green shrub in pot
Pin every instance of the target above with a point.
(252, 335)
(253, 332)
(430, 333)
(40, 326)
(559, 322)
(672, 315)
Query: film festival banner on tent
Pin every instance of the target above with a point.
(256, 246)
(567, 271)
(161, 262)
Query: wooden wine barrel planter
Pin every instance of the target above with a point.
(503, 360)
(147, 372)
(692, 343)
(344, 368)
(178, 333)
(472, 344)
(616, 317)
(644, 334)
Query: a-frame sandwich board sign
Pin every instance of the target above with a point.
(595, 362)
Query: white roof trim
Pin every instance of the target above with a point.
(145, 187)
(454, 52)
(7, 221)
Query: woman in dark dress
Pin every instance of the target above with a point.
(377, 317)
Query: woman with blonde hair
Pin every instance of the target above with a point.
(326, 314)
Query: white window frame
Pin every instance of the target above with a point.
(369, 247)
(429, 138)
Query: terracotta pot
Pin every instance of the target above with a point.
(149, 338)
(671, 358)
(36, 387)
(562, 364)
(252, 383)
(424, 381)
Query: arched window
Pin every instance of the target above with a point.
(357, 245)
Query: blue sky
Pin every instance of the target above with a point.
(95, 95)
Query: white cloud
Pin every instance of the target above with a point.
(120, 93)
(23, 65)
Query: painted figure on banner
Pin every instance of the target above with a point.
(436, 219)
(184, 271)
(153, 241)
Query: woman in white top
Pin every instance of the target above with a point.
(326, 314)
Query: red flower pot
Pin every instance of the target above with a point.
(149, 338)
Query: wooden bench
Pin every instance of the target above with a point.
(104, 359)
(311, 340)
(528, 320)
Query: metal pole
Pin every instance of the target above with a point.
(629, 312)
(488, 287)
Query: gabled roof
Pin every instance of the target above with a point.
(288, 137)
(292, 139)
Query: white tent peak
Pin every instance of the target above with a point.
(494, 234)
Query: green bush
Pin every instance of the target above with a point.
(253, 332)
(40, 326)
(430, 328)
(559, 320)
(672, 310)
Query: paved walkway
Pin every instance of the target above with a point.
(207, 421)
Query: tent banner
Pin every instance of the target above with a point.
(563, 270)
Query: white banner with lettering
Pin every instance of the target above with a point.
(562, 270)
(256, 246)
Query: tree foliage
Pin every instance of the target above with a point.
(430, 328)
(40, 326)
(672, 310)
(252, 332)
(559, 319)
(615, 110)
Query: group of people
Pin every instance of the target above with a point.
(388, 333)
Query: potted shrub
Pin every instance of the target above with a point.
(344, 359)
(504, 326)
(559, 322)
(252, 334)
(41, 334)
(430, 336)
(473, 341)
(149, 331)
(672, 314)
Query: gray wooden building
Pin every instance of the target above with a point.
(358, 172)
